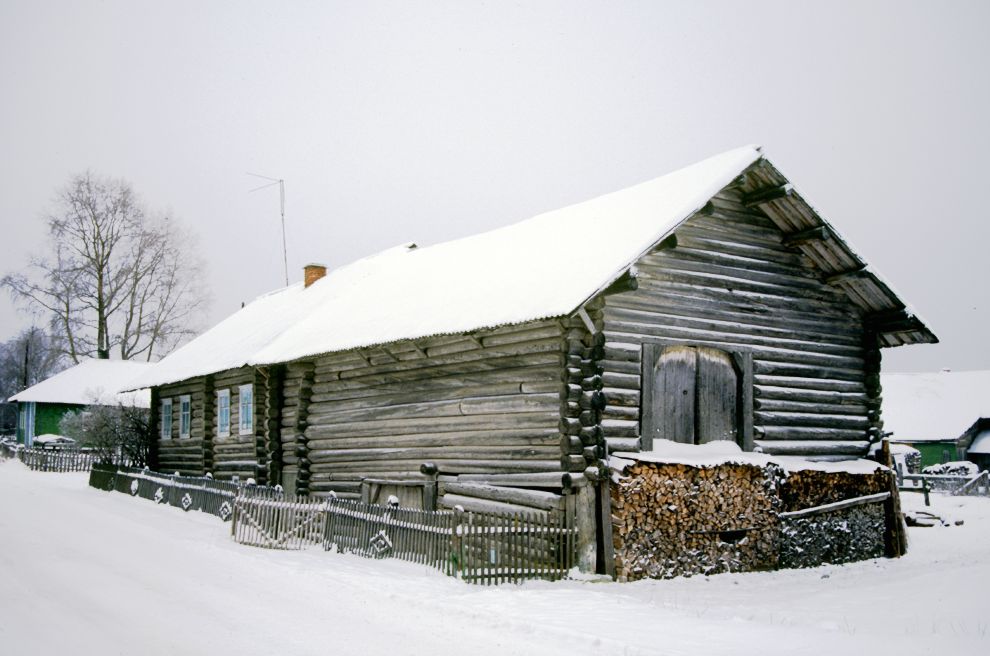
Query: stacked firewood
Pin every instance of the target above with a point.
(679, 520)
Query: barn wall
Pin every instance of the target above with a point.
(730, 283)
(485, 403)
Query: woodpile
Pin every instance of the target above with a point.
(671, 519)
(678, 520)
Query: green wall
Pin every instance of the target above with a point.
(47, 417)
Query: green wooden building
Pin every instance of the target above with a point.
(41, 407)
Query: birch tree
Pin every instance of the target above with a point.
(115, 279)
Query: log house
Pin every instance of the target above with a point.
(710, 304)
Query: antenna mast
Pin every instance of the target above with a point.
(281, 196)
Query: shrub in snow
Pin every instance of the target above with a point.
(116, 433)
(957, 468)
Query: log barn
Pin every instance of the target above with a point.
(498, 371)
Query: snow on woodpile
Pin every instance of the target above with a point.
(93, 382)
(934, 406)
(682, 510)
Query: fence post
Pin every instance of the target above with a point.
(456, 542)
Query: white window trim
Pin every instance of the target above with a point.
(241, 415)
(185, 398)
(166, 420)
(223, 394)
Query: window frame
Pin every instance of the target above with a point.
(223, 430)
(165, 419)
(245, 428)
(185, 417)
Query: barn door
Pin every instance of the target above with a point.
(691, 394)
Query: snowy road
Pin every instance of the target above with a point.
(90, 572)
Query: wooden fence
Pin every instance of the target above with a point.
(53, 460)
(480, 548)
(978, 485)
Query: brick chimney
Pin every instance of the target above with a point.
(313, 272)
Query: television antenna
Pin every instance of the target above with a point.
(281, 195)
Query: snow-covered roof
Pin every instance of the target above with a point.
(981, 443)
(934, 406)
(92, 382)
(526, 271)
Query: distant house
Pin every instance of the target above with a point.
(945, 415)
(713, 303)
(41, 407)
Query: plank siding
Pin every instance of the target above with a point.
(731, 284)
(484, 403)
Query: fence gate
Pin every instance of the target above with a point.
(277, 523)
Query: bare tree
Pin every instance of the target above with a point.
(114, 278)
(27, 359)
(119, 434)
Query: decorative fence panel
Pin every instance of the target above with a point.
(480, 548)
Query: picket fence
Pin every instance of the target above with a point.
(61, 460)
(480, 548)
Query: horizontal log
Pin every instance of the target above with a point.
(836, 506)
(375, 469)
(763, 382)
(427, 453)
(394, 395)
(483, 505)
(622, 351)
(511, 403)
(434, 424)
(530, 368)
(620, 412)
(811, 407)
(627, 444)
(623, 397)
(550, 479)
(514, 495)
(814, 448)
(807, 433)
(809, 419)
(530, 437)
(614, 380)
(620, 428)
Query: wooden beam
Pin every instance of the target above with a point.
(762, 196)
(627, 282)
(818, 233)
(843, 276)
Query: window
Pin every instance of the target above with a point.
(223, 413)
(246, 409)
(185, 415)
(166, 419)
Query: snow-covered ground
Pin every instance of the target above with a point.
(90, 572)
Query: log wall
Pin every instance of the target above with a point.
(183, 455)
(485, 403)
(237, 454)
(727, 281)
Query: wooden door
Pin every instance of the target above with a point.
(690, 395)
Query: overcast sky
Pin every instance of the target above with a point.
(428, 121)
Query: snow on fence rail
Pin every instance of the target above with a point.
(978, 485)
(481, 548)
(57, 460)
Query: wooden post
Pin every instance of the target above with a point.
(584, 521)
